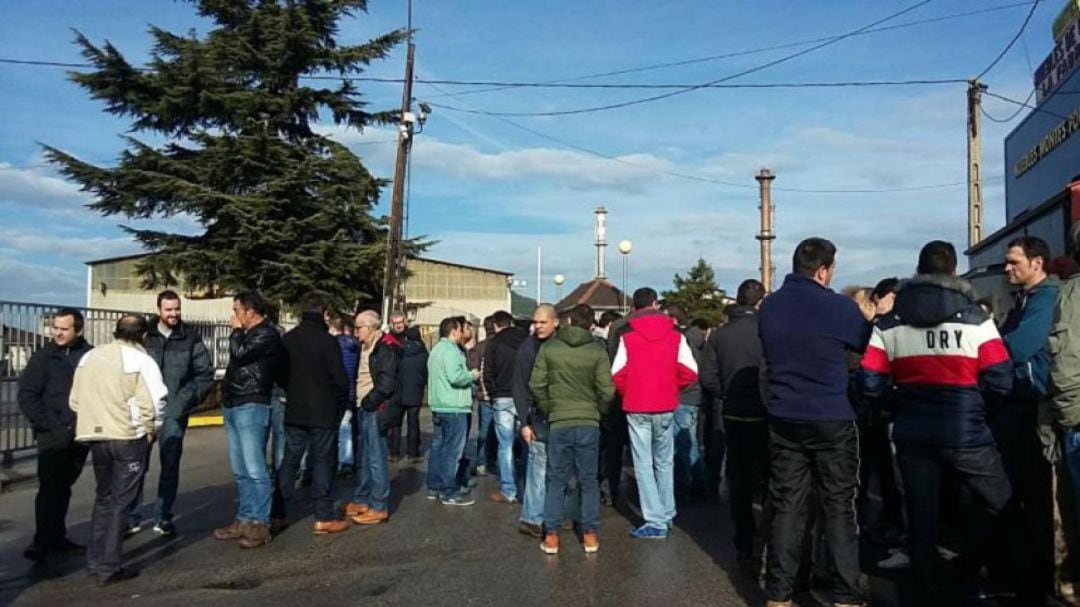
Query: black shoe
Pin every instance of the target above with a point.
(120, 575)
(530, 529)
(35, 554)
(71, 547)
(165, 528)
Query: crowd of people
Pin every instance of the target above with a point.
(902, 415)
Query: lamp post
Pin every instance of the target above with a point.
(558, 280)
(624, 248)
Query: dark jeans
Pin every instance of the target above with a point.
(922, 467)
(412, 439)
(57, 471)
(321, 446)
(447, 445)
(876, 459)
(119, 466)
(613, 440)
(823, 457)
(170, 445)
(573, 451)
(747, 471)
(464, 468)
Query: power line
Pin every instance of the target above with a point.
(1011, 116)
(757, 68)
(1009, 46)
(1024, 104)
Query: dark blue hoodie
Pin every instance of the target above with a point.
(1025, 332)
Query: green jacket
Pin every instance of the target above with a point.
(1062, 409)
(572, 379)
(449, 380)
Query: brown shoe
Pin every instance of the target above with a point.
(325, 527)
(591, 541)
(354, 509)
(371, 517)
(778, 604)
(499, 498)
(233, 531)
(550, 545)
(255, 535)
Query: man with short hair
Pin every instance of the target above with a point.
(534, 426)
(118, 397)
(806, 331)
(317, 394)
(498, 370)
(342, 330)
(730, 371)
(189, 375)
(450, 399)
(377, 389)
(941, 352)
(572, 383)
(44, 391)
(255, 358)
(398, 322)
(652, 365)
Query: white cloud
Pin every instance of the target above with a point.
(34, 187)
(79, 247)
(21, 281)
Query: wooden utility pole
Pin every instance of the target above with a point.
(393, 287)
(766, 236)
(974, 157)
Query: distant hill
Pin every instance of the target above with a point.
(521, 305)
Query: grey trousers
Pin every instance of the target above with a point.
(119, 466)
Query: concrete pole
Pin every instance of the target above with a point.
(601, 240)
(974, 156)
(766, 236)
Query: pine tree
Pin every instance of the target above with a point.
(698, 294)
(282, 208)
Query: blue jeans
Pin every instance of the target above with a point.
(373, 480)
(573, 451)
(345, 441)
(447, 446)
(247, 427)
(483, 429)
(170, 447)
(652, 438)
(505, 419)
(1070, 441)
(532, 505)
(689, 465)
(277, 431)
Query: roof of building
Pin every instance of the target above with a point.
(95, 262)
(598, 293)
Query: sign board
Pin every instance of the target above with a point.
(1065, 18)
(1060, 63)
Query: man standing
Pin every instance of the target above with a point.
(939, 349)
(1064, 347)
(188, 373)
(317, 394)
(342, 330)
(534, 427)
(689, 465)
(806, 330)
(1025, 331)
(44, 390)
(499, 385)
(413, 380)
(730, 371)
(118, 398)
(377, 387)
(255, 358)
(450, 397)
(653, 364)
(477, 359)
(572, 383)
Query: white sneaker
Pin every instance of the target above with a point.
(897, 560)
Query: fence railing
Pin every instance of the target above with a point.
(26, 327)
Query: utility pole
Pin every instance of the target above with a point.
(393, 287)
(974, 157)
(766, 235)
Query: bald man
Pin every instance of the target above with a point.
(534, 429)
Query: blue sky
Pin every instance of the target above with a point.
(490, 192)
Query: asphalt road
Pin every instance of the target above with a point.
(428, 554)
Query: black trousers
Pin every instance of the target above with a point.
(876, 459)
(57, 471)
(411, 430)
(614, 436)
(119, 466)
(321, 445)
(747, 471)
(823, 457)
(922, 467)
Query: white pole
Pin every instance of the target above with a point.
(539, 266)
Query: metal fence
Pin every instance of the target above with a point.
(26, 327)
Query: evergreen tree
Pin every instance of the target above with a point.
(698, 294)
(282, 208)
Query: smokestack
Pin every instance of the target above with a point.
(601, 240)
(766, 236)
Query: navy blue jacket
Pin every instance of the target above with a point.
(1026, 331)
(350, 357)
(805, 330)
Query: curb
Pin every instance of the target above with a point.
(206, 421)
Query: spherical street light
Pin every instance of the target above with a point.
(559, 279)
(625, 247)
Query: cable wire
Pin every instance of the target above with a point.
(1024, 104)
(1011, 116)
(1009, 46)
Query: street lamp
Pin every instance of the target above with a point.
(624, 248)
(558, 280)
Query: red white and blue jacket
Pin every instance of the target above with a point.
(652, 365)
(942, 352)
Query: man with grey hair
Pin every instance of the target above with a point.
(118, 397)
(399, 323)
(376, 389)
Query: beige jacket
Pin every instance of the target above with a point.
(117, 394)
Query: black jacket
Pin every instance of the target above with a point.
(730, 368)
(44, 389)
(412, 371)
(185, 367)
(383, 362)
(316, 386)
(524, 399)
(499, 362)
(255, 359)
(695, 338)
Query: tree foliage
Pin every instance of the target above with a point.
(282, 208)
(698, 294)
